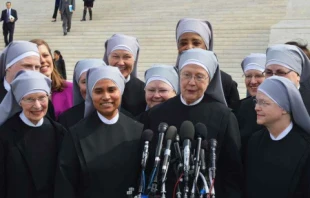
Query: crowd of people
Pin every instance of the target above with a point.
(83, 139)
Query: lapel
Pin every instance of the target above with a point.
(20, 144)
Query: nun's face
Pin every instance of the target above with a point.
(279, 70)
(106, 98)
(82, 84)
(157, 92)
(35, 106)
(190, 40)
(253, 78)
(268, 112)
(122, 59)
(46, 61)
(194, 82)
(27, 63)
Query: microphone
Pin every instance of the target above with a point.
(147, 136)
(170, 136)
(162, 127)
(204, 148)
(212, 167)
(187, 132)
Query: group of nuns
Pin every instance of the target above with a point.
(94, 149)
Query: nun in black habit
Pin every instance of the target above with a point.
(291, 62)
(122, 51)
(29, 142)
(202, 100)
(196, 33)
(100, 155)
(17, 56)
(76, 113)
(278, 157)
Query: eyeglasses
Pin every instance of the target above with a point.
(41, 100)
(197, 78)
(277, 73)
(261, 103)
(256, 77)
(161, 92)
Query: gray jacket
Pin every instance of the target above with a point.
(64, 5)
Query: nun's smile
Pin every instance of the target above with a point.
(253, 78)
(106, 98)
(157, 92)
(122, 59)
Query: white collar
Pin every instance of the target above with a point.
(28, 122)
(106, 121)
(6, 85)
(283, 133)
(127, 79)
(192, 104)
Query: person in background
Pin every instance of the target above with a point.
(100, 155)
(55, 10)
(196, 33)
(66, 9)
(9, 17)
(62, 90)
(88, 4)
(253, 67)
(60, 64)
(122, 51)
(29, 141)
(278, 157)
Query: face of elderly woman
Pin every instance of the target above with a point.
(190, 40)
(253, 78)
(106, 98)
(46, 61)
(35, 106)
(268, 112)
(194, 82)
(279, 70)
(157, 92)
(122, 59)
(82, 84)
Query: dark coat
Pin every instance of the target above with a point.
(230, 90)
(61, 67)
(4, 16)
(20, 174)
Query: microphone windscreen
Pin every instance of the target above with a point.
(171, 133)
(204, 144)
(187, 130)
(201, 130)
(162, 127)
(147, 135)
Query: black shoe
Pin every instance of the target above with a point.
(68, 30)
(54, 20)
(83, 20)
(65, 33)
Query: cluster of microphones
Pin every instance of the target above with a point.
(193, 161)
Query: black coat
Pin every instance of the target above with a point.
(4, 16)
(61, 67)
(28, 158)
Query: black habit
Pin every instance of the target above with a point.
(28, 158)
(305, 94)
(133, 99)
(278, 168)
(230, 90)
(221, 124)
(76, 113)
(99, 160)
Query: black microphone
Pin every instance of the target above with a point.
(177, 148)
(170, 136)
(187, 132)
(201, 133)
(147, 137)
(212, 167)
(204, 148)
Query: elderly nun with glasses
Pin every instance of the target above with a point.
(29, 141)
(202, 100)
(278, 157)
(100, 155)
(122, 51)
(195, 33)
(290, 62)
(253, 67)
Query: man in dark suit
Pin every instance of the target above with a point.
(66, 8)
(9, 17)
